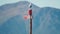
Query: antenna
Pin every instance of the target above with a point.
(30, 13)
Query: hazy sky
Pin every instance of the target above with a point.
(40, 3)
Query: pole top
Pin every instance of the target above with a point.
(30, 5)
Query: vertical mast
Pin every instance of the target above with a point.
(30, 13)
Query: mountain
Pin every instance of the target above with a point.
(46, 20)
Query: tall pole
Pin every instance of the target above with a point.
(30, 13)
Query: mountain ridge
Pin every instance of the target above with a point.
(22, 2)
